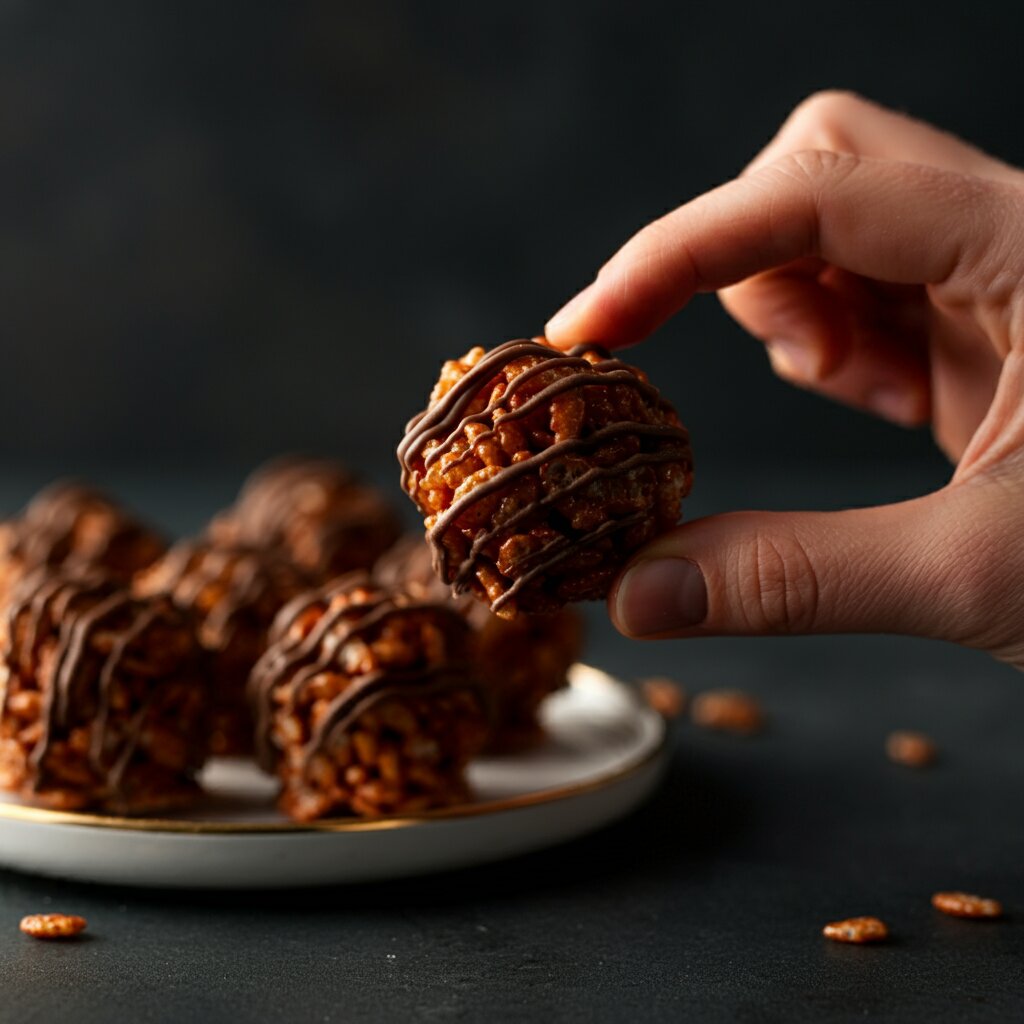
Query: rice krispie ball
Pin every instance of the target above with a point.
(539, 472)
(316, 512)
(232, 595)
(365, 703)
(74, 525)
(103, 698)
(520, 661)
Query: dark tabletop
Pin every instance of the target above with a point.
(706, 904)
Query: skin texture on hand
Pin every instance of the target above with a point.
(881, 261)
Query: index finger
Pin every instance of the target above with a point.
(896, 222)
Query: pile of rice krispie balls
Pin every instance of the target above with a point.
(363, 667)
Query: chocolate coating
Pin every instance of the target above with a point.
(334, 644)
(496, 423)
(520, 661)
(123, 676)
(232, 594)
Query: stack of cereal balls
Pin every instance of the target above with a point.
(301, 628)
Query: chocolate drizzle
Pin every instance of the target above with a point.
(444, 424)
(344, 626)
(80, 679)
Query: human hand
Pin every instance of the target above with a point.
(882, 263)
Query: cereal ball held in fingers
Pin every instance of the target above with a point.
(365, 702)
(538, 472)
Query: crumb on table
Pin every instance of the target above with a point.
(53, 926)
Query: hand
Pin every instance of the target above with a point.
(882, 263)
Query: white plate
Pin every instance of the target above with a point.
(605, 753)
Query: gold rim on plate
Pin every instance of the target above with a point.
(45, 816)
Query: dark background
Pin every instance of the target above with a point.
(230, 230)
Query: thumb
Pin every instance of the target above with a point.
(916, 567)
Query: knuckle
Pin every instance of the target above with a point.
(809, 174)
(821, 119)
(778, 586)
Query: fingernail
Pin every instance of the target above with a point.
(793, 358)
(660, 596)
(894, 404)
(563, 319)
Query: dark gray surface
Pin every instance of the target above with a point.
(706, 905)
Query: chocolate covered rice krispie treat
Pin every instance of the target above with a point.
(72, 524)
(539, 472)
(324, 519)
(520, 661)
(365, 703)
(232, 595)
(103, 698)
